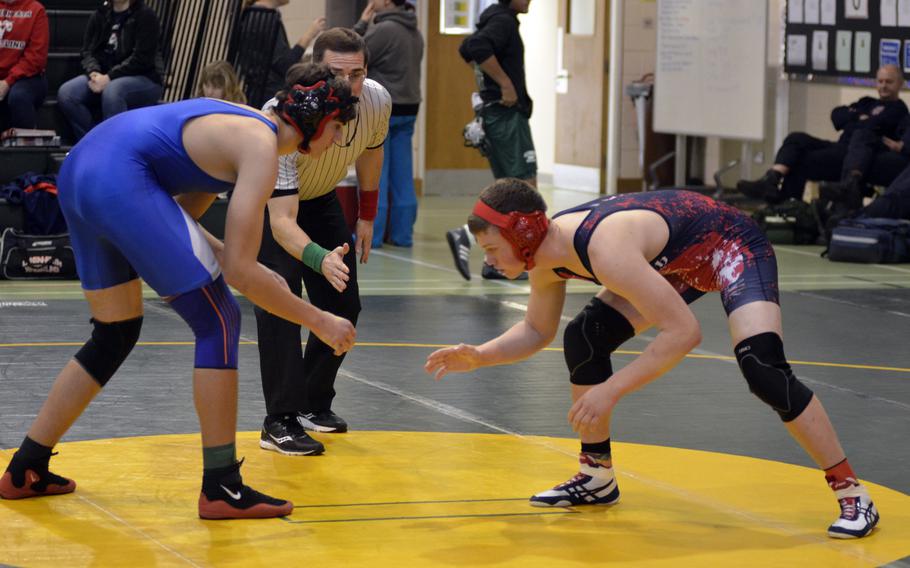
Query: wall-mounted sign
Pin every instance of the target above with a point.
(458, 17)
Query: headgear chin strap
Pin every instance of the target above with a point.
(314, 107)
(524, 231)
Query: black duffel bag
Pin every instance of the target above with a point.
(870, 239)
(33, 257)
(789, 223)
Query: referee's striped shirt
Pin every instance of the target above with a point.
(309, 178)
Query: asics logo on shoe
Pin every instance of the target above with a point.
(232, 494)
(282, 439)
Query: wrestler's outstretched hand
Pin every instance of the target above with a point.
(458, 359)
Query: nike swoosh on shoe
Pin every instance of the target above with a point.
(233, 495)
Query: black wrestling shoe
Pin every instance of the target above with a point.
(460, 245)
(31, 478)
(286, 436)
(325, 421)
(224, 496)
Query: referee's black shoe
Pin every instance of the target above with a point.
(325, 421)
(285, 435)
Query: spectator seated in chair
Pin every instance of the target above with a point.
(803, 157)
(122, 65)
(871, 160)
(894, 203)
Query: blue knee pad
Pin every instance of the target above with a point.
(214, 316)
(589, 340)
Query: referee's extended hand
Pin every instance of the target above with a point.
(334, 269)
(364, 231)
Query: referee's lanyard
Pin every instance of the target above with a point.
(353, 135)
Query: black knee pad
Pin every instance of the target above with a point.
(103, 354)
(589, 340)
(761, 359)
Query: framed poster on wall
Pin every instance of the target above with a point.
(458, 17)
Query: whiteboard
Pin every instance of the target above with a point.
(710, 73)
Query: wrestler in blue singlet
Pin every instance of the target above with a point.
(116, 191)
(712, 247)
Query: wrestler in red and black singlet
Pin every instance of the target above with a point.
(712, 247)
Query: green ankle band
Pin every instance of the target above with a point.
(219, 456)
(313, 255)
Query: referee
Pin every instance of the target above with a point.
(306, 239)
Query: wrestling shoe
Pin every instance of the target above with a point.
(286, 436)
(594, 484)
(460, 245)
(224, 496)
(32, 479)
(858, 515)
(325, 421)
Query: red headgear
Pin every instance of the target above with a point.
(524, 231)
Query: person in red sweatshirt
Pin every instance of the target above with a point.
(23, 58)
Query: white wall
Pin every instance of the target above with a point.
(538, 31)
(299, 14)
(639, 57)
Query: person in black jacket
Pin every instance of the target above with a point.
(894, 203)
(498, 51)
(122, 65)
(803, 157)
(871, 160)
(262, 35)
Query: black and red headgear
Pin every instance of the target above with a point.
(309, 108)
(524, 231)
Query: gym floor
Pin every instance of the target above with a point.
(438, 473)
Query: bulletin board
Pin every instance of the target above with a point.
(845, 38)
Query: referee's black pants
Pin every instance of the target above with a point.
(292, 379)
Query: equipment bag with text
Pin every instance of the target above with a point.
(873, 240)
(27, 257)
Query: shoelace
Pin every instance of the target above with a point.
(579, 478)
(848, 507)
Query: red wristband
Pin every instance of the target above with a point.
(369, 204)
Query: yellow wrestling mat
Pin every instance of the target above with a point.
(408, 499)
